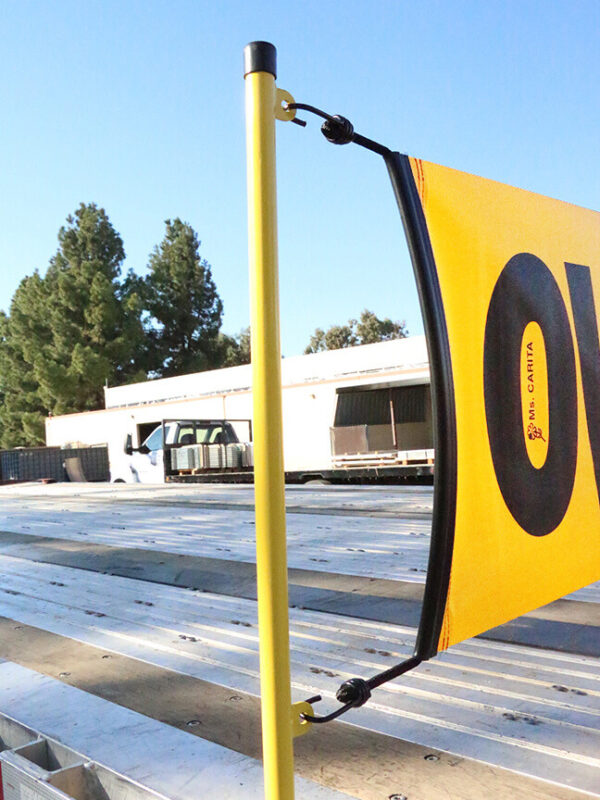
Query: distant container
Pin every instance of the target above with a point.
(48, 463)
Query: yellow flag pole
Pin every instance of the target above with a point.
(271, 556)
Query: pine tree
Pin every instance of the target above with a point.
(96, 331)
(22, 411)
(183, 305)
(71, 331)
(234, 350)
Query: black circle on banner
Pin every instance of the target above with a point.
(525, 292)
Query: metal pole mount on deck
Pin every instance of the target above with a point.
(280, 722)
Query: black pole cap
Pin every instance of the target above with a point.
(260, 57)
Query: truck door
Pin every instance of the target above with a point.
(149, 466)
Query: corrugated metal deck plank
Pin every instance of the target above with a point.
(504, 704)
(386, 548)
(376, 499)
(156, 755)
(382, 547)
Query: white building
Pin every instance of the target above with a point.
(351, 405)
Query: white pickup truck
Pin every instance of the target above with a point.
(204, 443)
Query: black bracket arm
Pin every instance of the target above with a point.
(356, 691)
(339, 130)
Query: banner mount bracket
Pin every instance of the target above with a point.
(339, 130)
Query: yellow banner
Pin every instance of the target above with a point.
(519, 281)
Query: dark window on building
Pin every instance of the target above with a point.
(372, 406)
(363, 408)
(409, 404)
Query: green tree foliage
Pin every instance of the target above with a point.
(366, 330)
(83, 324)
(70, 331)
(333, 338)
(94, 318)
(235, 350)
(183, 307)
(22, 411)
(370, 329)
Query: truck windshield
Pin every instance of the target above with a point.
(155, 441)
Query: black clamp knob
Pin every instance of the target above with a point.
(338, 130)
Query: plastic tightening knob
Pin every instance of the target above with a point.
(354, 691)
(338, 130)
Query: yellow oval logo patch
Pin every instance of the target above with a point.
(534, 394)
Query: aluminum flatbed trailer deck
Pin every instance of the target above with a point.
(62, 743)
(486, 716)
(398, 474)
(384, 536)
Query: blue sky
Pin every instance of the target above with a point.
(139, 107)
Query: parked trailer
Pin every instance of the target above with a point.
(358, 414)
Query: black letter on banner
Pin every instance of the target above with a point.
(586, 327)
(525, 292)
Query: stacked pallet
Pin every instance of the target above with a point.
(200, 457)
